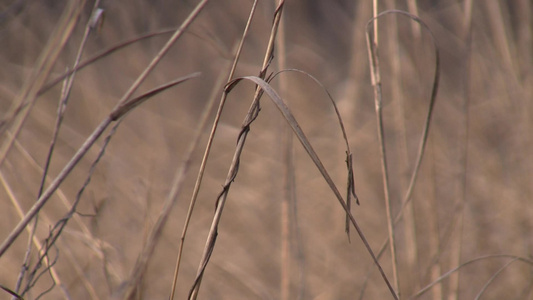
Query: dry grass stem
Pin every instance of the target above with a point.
(144, 256)
(425, 131)
(482, 258)
(435, 206)
(21, 107)
(117, 113)
(250, 117)
(316, 160)
(200, 175)
(372, 42)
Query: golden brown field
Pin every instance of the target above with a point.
(95, 196)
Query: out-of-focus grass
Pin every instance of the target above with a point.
(472, 197)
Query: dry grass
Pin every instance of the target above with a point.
(118, 218)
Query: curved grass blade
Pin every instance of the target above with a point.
(447, 274)
(493, 277)
(129, 105)
(425, 131)
(432, 99)
(350, 186)
(285, 111)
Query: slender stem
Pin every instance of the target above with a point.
(288, 202)
(162, 52)
(376, 82)
(250, 117)
(54, 185)
(207, 151)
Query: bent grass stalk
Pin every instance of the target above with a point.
(350, 185)
(250, 117)
(123, 106)
(512, 44)
(482, 258)
(425, 130)
(115, 115)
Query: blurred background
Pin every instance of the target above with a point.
(472, 199)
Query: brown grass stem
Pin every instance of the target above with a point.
(481, 258)
(55, 184)
(288, 202)
(117, 113)
(285, 111)
(119, 46)
(427, 122)
(456, 193)
(23, 103)
(157, 58)
(290, 176)
(400, 106)
(457, 224)
(203, 164)
(350, 185)
(493, 277)
(34, 240)
(425, 131)
(372, 43)
(250, 117)
(144, 256)
(121, 108)
(60, 114)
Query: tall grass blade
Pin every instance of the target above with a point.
(312, 154)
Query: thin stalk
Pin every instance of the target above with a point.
(456, 240)
(425, 131)
(250, 117)
(430, 209)
(115, 115)
(288, 202)
(289, 117)
(60, 113)
(122, 107)
(157, 58)
(492, 278)
(481, 258)
(77, 218)
(22, 105)
(206, 153)
(144, 256)
(412, 6)
(34, 240)
(378, 100)
(54, 185)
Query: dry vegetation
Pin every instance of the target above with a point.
(465, 231)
